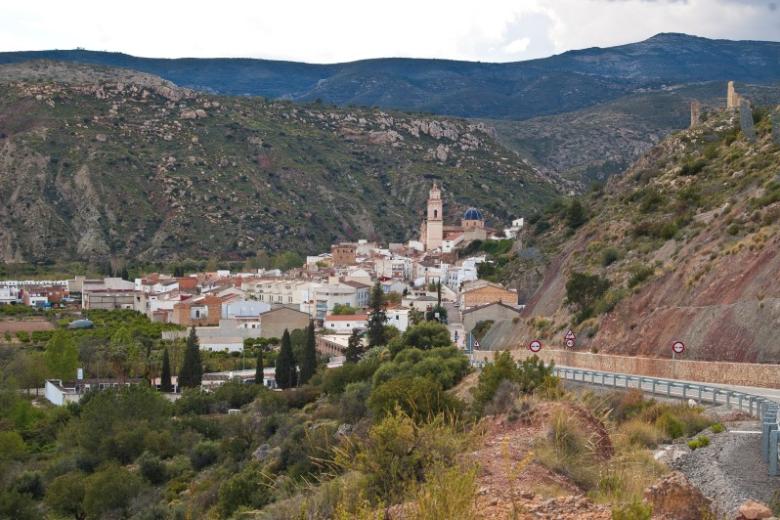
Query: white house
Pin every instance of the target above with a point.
(222, 344)
(244, 308)
(345, 324)
(9, 294)
(398, 318)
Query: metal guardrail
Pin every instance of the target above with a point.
(758, 406)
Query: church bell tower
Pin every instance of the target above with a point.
(435, 221)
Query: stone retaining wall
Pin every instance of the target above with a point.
(729, 373)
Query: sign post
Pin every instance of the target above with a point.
(678, 347)
(570, 339)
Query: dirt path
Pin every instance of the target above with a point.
(730, 470)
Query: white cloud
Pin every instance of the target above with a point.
(340, 30)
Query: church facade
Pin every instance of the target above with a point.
(434, 235)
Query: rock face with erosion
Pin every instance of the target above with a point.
(673, 497)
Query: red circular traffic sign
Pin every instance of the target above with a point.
(678, 347)
(570, 343)
(535, 346)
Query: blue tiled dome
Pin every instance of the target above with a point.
(472, 214)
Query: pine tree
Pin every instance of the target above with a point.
(286, 372)
(309, 361)
(354, 347)
(259, 366)
(192, 370)
(376, 322)
(165, 375)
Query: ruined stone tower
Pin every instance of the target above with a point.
(695, 112)
(732, 97)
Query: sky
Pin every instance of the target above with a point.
(328, 31)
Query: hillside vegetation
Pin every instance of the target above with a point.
(683, 246)
(97, 163)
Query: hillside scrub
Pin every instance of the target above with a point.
(668, 234)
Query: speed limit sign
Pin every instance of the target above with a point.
(535, 346)
(678, 347)
(570, 343)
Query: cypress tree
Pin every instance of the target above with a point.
(309, 361)
(165, 375)
(354, 347)
(286, 372)
(259, 366)
(376, 322)
(192, 369)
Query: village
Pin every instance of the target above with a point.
(427, 278)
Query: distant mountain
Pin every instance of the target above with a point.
(98, 163)
(521, 90)
(596, 142)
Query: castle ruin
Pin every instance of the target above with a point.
(695, 112)
(733, 99)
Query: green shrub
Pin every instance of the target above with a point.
(635, 510)
(531, 374)
(399, 452)
(642, 434)
(583, 291)
(671, 425)
(152, 468)
(569, 451)
(693, 167)
(699, 442)
(609, 256)
(204, 454)
(639, 274)
(418, 397)
(248, 488)
(718, 428)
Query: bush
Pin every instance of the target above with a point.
(247, 488)
(418, 397)
(718, 428)
(446, 365)
(609, 256)
(635, 510)
(447, 493)
(398, 452)
(569, 451)
(699, 442)
(531, 374)
(670, 425)
(642, 434)
(639, 274)
(152, 468)
(204, 454)
(693, 167)
(583, 291)
(110, 491)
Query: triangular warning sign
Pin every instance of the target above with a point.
(570, 335)
(476, 343)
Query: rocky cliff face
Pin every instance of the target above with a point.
(689, 241)
(132, 166)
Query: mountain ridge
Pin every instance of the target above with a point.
(513, 90)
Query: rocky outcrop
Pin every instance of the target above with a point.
(752, 510)
(675, 498)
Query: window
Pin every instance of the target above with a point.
(435, 213)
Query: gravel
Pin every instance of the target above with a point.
(730, 470)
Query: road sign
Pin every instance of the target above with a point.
(476, 343)
(678, 347)
(569, 343)
(570, 335)
(535, 346)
